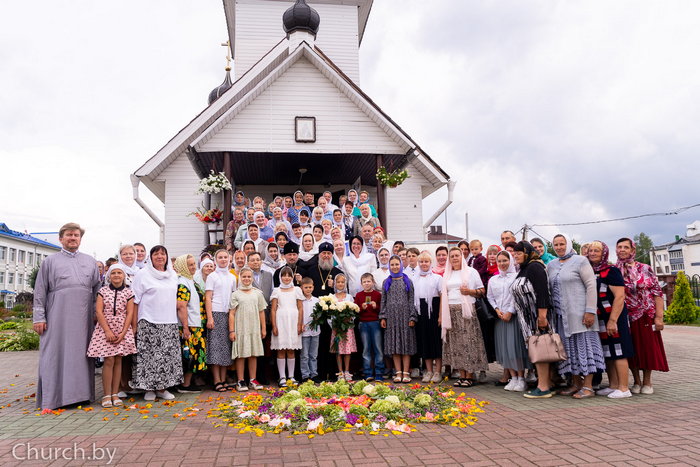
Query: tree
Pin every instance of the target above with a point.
(31, 280)
(682, 309)
(644, 246)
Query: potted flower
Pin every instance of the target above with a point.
(208, 216)
(213, 184)
(391, 179)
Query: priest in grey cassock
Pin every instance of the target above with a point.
(64, 303)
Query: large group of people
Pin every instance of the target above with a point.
(241, 318)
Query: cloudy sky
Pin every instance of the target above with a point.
(542, 111)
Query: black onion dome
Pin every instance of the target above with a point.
(222, 88)
(301, 16)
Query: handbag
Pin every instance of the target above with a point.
(484, 311)
(546, 348)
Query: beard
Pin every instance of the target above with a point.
(324, 264)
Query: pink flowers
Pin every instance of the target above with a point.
(393, 426)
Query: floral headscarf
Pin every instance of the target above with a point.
(181, 268)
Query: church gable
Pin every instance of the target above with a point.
(267, 123)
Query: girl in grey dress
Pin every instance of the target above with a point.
(398, 316)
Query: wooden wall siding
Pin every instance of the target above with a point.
(267, 123)
(183, 233)
(405, 208)
(259, 27)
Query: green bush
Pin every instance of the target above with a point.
(10, 325)
(20, 340)
(682, 309)
(19, 308)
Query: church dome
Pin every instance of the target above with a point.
(301, 16)
(222, 88)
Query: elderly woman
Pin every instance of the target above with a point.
(573, 286)
(190, 310)
(158, 363)
(463, 344)
(293, 211)
(646, 314)
(612, 312)
(127, 258)
(532, 305)
(357, 263)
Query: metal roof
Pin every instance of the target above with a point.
(5, 231)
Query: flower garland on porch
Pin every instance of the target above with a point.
(391, 179)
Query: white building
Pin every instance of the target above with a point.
(683, 254)
(284, 74)
(20, 253)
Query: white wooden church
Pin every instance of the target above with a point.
(292, 117)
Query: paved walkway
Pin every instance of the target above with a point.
(663, 428)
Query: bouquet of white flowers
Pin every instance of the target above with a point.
(214, 183)
(341, 315)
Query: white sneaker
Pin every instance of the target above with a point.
(437, 377)
(606, 391)
(149, 396)
(617, 394)
(482, 376)
(635, 389)
(122, 395)
(164, 394)
(520, 386)
(531, 378)
(415, 373)
(427, 376)
(647, 390)
(511, 384)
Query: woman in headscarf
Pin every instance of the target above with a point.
(382, 272)
(510, 346)
(206, 267)
(273, 260)
(308, 249)
(541, 249)
(278, 219)
(428, 333)
(440, 260)
(646, 312)
(463, 344)
(352, 225)
(612, 312)
(533, 306)
(573, 287)
(357, 263)
(339, 254)
(127, 259)
(190, 310)
(398, 316)
(158, 363)
(293, 212)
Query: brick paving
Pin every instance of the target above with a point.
(662, 428)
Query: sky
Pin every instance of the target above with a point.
(542, 111)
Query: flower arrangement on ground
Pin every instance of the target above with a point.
(339, 314)
(312, 409)
(214, 183)
(208, 216)
(391, 179)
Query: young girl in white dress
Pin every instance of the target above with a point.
(286, 316)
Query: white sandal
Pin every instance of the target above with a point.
(116, 401)
(406, 377)
(108, 402)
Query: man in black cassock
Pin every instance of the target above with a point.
(321, 270)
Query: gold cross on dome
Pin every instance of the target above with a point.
(227, 44)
